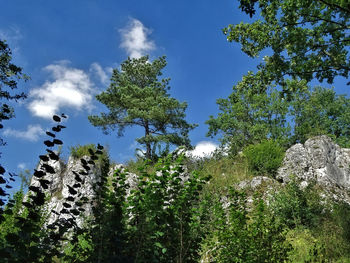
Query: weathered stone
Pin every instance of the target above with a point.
(64, 176)
(319, 160)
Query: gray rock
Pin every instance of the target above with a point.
(58, 190)
(319, 160)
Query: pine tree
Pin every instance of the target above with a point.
(136, 97)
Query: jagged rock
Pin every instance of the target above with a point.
(68, 178)
(64, 176)
(319, 160)
(58, 190)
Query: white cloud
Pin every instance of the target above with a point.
(32, 133)
(135, 39)
(101, 73)
(203, 149)
(70, 88)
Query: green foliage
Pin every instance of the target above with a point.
(165, 217)
(333, 233)
(294, 206)
(80, 151)
(137, 98)
(12, 209)
(308, 39)
(264, 158)
(133, 166)
(78, 251)
(158, 221)
(9, 73)
(240, 236)
(321, 112)
(306, 248)
(250, 114)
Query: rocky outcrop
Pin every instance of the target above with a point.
(58, 190)
(320, 160)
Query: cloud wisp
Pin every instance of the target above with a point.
(203, 149)
(135, 39)
(102, 74)
(70, 88)
(32, 133)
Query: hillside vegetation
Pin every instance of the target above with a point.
(185, 209)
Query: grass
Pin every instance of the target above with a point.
(224, 171)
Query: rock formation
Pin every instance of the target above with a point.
(319, 160)
(58, 190)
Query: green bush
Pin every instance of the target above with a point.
(306, 248)
(294, 206)
(244, 234)
(264, 158)
(79, 151)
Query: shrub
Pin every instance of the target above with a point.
(243, 234)
(79, 151)
(264, 158)
(295, 206)
(306, 248)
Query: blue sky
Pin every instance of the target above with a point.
(69, 48)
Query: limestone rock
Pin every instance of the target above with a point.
(320, 160)
(64, 176)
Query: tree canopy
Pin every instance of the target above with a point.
(250, 115)
(137, 97)
(299, 39)
(9, 76)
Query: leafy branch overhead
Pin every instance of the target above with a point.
(308, 39)
(9, 74)
(137, 97)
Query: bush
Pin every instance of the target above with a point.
(79, 151)
(244, 234)
(306, 248)
(297, 207)
(264, 158)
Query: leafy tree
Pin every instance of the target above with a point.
(137, 98)
(308, 39)
(9, 75)
(254, 112)
(250, 114)
(321, 112)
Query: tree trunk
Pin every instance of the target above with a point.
(148, 144)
